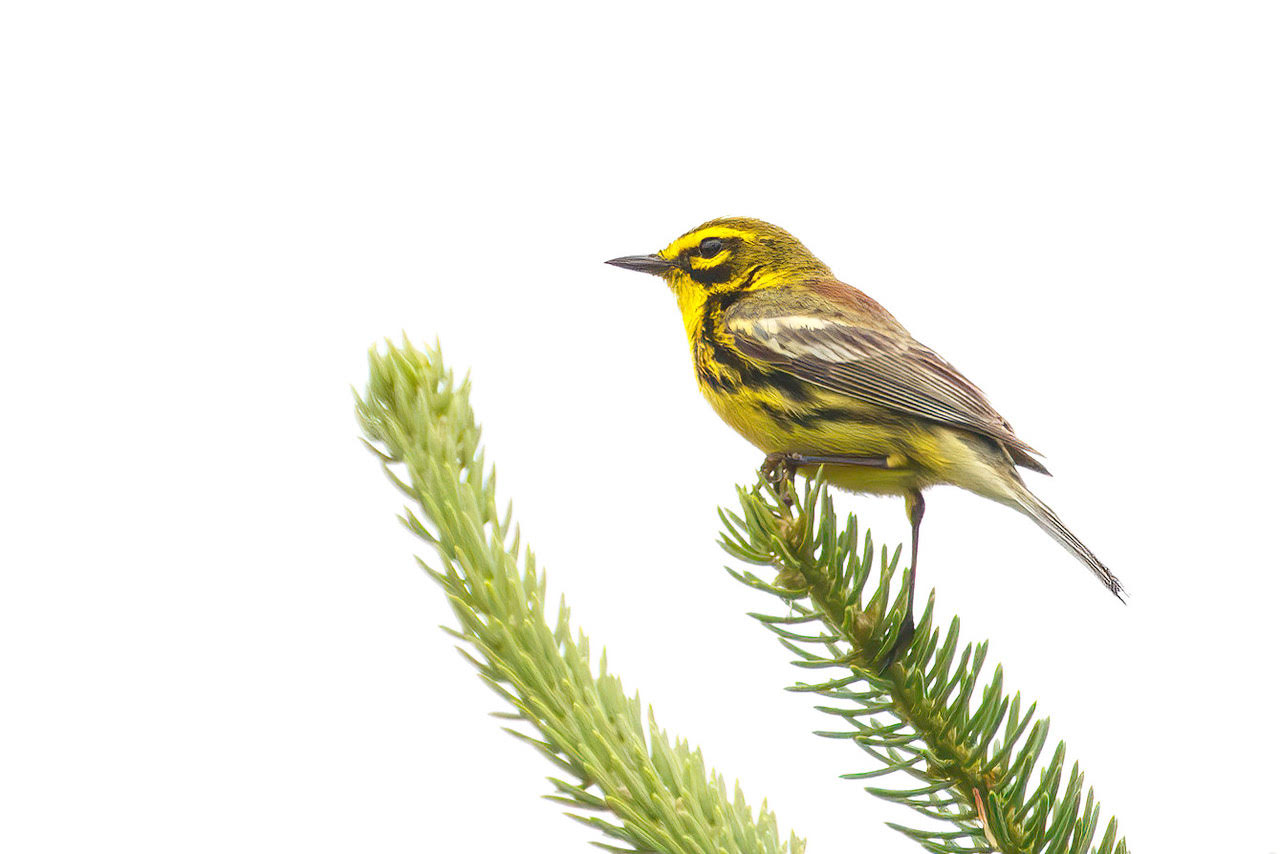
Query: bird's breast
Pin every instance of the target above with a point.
(779, 413)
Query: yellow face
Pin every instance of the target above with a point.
(730, 254)
(710, 256)
(736, 254)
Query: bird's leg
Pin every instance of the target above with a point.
(781, 467)
(907, 631)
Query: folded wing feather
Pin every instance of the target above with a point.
(890, 370)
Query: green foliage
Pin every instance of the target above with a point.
(627, 780)
(974, 752)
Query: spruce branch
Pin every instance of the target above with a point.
(974, 752)
(616, 771)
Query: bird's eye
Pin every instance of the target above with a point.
(710, 247)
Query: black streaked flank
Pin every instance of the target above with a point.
(793, 387)
(864, 415)
(748, 374)
(818, 415)
(725, 385)
(783, 418)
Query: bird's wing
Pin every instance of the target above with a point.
(843, 341)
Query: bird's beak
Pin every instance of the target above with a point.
(653, 264)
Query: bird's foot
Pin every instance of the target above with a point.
(779, 471)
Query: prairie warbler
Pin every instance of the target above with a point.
(816, 373)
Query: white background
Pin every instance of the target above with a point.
(212, 634)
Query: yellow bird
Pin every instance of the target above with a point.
(816, 373)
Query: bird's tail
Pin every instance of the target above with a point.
(1048, 520)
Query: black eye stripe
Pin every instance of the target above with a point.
(716, 275)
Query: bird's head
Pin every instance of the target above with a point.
(726, 255)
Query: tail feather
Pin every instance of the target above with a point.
(1052, 525)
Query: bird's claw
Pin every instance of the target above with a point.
(779, 469)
